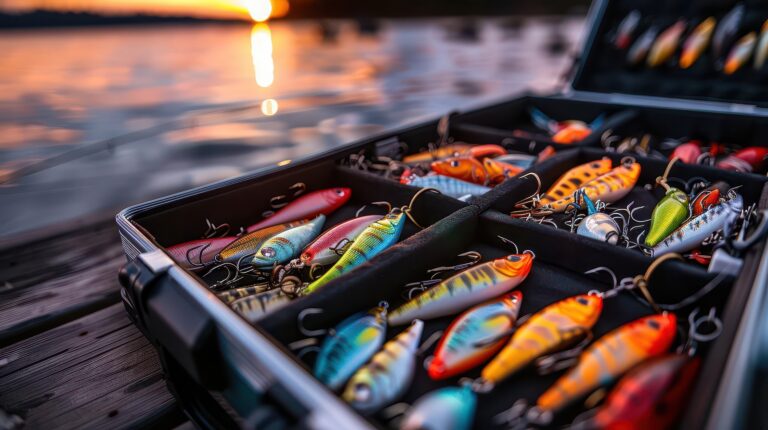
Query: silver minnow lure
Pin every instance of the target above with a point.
(599, 226)
(691, 234)
(449, 186)
(286, 246)
(254, 308)
(389, 373)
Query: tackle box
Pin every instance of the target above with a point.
(228, 373)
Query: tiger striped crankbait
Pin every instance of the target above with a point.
(389, 373)
(671, 211)
(349, 346)
(307, 206)
(286, 246)
(254, 308)
(451, 187)
(666, 44)
(547, 331)
(574, 178)
(692, 234)
(474, 337)
(251, 242)
(330, 246)
(610, 187)
(377, 237)
(499, 171)
(230, 296)
(605, 360)
(449, 408)
(740, 53)
(697, 42)
(470, 287)
(466, 169)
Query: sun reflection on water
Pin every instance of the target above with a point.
(261, 51)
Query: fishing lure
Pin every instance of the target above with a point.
(446, 185)
(499, 171)
(639, 50)
(761, 52)
(697, 42)
(350, 345)
(708, 197)
(377, 237)
(470, 287)
(688, 152)
(727, 30)
(609, 187)
(285, 246)
(626, 29)
(747, 160)
(200, 252)
(692, 234)
(465, 169)
(307, 206)
(522, 161)
(455, 150)
(545, 153)
(449, 408)
(666, 44)
(250, 243)
(740, 54)
(648, 396)
(230, 296)
(605, 360)
(389, 373)
(671, 211)
(549, 330)
(574, 178)
(474, 337)
(254, 308)
(598, 225)
(330, 246)
(565, 132)
(572, 133)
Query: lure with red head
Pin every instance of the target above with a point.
(688, 152)
(572, 132)
(467, 169)
(752, 159)
(708, 197)
(307, 206)
(650, 396)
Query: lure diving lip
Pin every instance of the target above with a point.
(349, 346)
(607, 359)
(329, 246)
(740, 54)
(761, 52)
(449, 408)
(697, 42)
(549, 330)
(666, 44)
(626, 29)
(306, 207)
(377, 237)
(727, 29)
(389, 373)
(475, 336)
(671, 211)
(285, 246)
(470, 287)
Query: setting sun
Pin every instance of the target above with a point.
(260, 10)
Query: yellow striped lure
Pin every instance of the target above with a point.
(472, 286)
(350, 345)
(600, 364)
(387, 376)
(254, 308)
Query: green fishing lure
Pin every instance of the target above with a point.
(669, 214)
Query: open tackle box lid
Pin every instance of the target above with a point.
(604, 74)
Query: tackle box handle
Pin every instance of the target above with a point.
(171, 320)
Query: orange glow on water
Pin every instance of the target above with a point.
(261, 51)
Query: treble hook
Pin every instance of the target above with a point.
(509, 242)
(300, 322)
(473, 256)
(533, 198)
(282, 200)
(607, 270)
(407, 210)
(212, 229)
(383, 204)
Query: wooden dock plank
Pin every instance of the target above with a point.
(95, 372)
(51, 280)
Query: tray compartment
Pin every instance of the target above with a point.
(753, 188)
(552, 278)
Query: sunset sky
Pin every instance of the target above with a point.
(206, 8)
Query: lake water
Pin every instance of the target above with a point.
(93, 120)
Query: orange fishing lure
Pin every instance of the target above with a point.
(609, 188)
(466, 169)
(549, 330)
(569, 182)
(608, 358)
(499, 171)
(455, 150)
